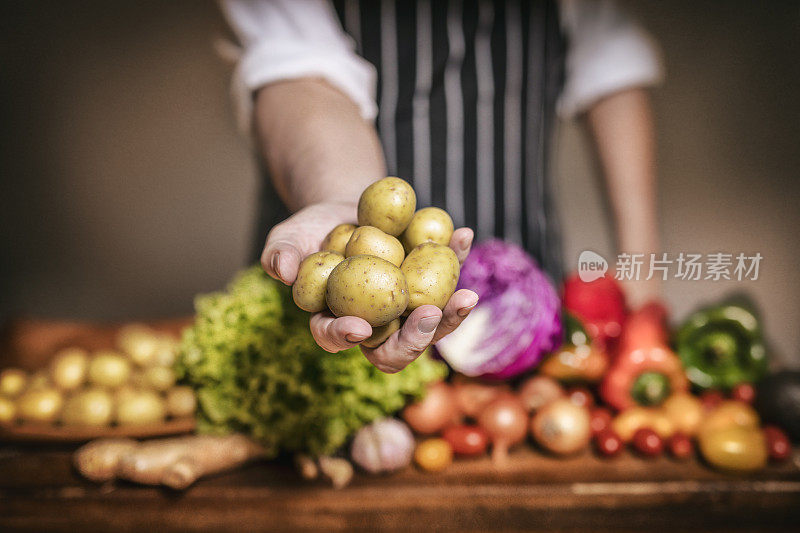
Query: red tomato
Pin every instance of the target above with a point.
(599, 419)
(680, 446)
(744, 392)
(581, 396)
(467, 440)
(647, 442)
(711, 399)
(778, 444)
(608, 443)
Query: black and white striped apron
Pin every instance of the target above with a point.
(466, 97)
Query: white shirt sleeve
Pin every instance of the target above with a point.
(606, 52)
(290, 39)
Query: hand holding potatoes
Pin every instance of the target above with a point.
(368, 294)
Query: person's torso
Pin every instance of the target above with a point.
(466, 94)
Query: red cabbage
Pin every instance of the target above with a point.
(517, 320)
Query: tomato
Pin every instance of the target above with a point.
(467, 440)
(433, 455)
(680, 446)
(744, 392)
(730, 413)
(711, 399)
(778, 444)
(647, 442)
(581, 396)
(599, 419)
(608, 443)
(737, 448)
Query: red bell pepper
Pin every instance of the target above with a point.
(600, 306)
(647, 326)
(646, 372)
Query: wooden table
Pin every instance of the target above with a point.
(39, 491)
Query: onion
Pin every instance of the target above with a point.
(436, 411)
(562, 427)
(538, 391)
(506, 422)
(472, 396)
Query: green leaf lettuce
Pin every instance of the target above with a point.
(257, 370)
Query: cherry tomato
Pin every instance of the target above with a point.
(600, 419)
(581, 396)
(647, 442)
(433, 455)
(467, 440)
(680, 446)
(778, 444)
(608, 443)
(744, 392)
(711, 399)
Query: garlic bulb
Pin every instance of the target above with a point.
(383, 446)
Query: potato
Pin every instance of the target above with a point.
(39, 380)
(308, 290)
(166, 351)
(141, 407)
(8, 411)
(387, 204)
(428, 224)
(68, 368)
(125, 391)
(42, 404)
(109, 369)
(337, 239)
(159, 378)
(368, 240)
(89, 407)
(12, 382)
(431, 271)
(367, 287)
(381, 333)
(139, 342)
(181, 401)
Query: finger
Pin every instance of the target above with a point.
(281, 259)
(405, 345)
(336, 334)
(456, 310)
(461, 241)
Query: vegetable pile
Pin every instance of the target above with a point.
(258, 371)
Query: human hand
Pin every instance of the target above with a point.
(302, 233)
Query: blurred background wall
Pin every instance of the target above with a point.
(125, 190)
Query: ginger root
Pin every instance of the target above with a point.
(339, 471)
(175, 463)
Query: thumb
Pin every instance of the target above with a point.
(281, 259)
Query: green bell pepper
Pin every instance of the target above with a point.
(722, 346)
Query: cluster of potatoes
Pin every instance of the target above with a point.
(396, 260)
(132, 385)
